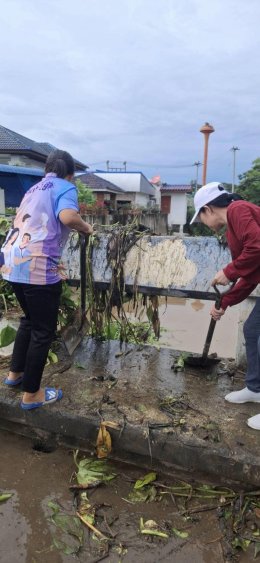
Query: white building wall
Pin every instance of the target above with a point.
(128, 181)
(178, 211)
(142, 199)
(146, 187)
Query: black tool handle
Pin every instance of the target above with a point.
(213, 322)
(83, 273)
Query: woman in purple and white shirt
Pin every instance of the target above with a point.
(48, 211)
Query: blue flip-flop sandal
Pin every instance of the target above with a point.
(13, 382)
(51, 396)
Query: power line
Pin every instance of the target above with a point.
(145, 165)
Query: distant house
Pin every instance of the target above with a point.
(15, 181)
(105, 192)
(17, 150)
(136, 189)
(174, 202)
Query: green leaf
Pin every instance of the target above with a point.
(52, 357)
(146, 494)
(66, 549)
(239, 542)
(68, 524)
(7, 336)
(154, 533)
(151, 528)
(91, 472)
(180, 363)
(148, 478)
(180, 534)
(54, 506)
(5, 496)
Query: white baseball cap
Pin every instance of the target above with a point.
(205, 195)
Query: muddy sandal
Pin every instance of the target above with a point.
(51, 396)
(13, 382)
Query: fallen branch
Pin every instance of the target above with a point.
(95, 530)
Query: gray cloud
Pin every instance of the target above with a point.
(135, 80)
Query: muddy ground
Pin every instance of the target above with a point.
(35, 478)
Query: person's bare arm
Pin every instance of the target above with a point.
(70, 218)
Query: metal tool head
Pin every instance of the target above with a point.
(200, 362)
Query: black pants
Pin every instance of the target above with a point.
(40, 304)
(252, 338)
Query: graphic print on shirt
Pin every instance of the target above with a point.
(32, 250)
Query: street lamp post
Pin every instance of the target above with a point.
(197, 164)
(234, 149)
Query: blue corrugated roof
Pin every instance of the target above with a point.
(8, 169)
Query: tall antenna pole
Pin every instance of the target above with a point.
(234, 149)
(197, 164)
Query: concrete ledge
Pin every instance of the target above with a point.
(213, 440)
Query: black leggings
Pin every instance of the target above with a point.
(40, 304)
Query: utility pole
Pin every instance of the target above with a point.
(197, 164)
(234, 149)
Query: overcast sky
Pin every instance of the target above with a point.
(135, 80)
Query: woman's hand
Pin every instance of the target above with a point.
(90, 229)
(216, 313)
(220, 279)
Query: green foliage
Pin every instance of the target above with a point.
(5, 496)
(249, 187)
(5, 225)
(196, 229)
(7, 294)
(85, 194)
(7, 336)
(91, 472)
(52, 358)
(67, 305)
(68, 533)
(148, 478)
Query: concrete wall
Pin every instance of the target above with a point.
(2, 202)
(171, 266)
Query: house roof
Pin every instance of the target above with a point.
(14, 143)
(7, 169)
(177, 188)
(98, 184)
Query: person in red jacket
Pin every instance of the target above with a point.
(216, 207)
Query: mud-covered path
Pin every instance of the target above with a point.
(35, 478)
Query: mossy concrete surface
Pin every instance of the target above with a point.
(168, 420)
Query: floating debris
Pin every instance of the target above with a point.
(5, 496)
(91, 473)
(104, 442)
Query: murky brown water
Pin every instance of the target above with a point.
(36, 477)
(185, 324)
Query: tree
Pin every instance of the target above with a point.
(85, 194)
(249, 187)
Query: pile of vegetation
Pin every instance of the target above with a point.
(106, 308)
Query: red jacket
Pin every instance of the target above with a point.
(243, 236)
